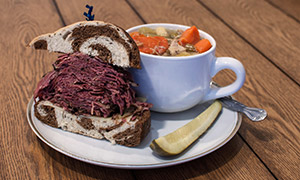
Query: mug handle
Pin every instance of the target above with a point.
(226, 63)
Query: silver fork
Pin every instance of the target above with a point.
(254, 114)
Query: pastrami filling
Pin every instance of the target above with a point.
(86, 85)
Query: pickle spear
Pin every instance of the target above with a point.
(178, 140)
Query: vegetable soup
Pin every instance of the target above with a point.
(168, 42)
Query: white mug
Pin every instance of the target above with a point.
(174, 84)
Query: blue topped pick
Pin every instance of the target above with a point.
(89, 15)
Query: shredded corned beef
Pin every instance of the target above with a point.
(85, 85)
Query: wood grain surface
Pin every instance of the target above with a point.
(266, 28)
(224, 163)
(290, 7)
(262, 34)
(20, 154)
(114, 11)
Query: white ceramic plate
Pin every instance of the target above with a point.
(103, 153)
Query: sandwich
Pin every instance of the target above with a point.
(89, 91)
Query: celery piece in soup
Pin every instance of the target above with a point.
(190, 48)
(147, 31)
(172, 33)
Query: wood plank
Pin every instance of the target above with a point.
(113, 11)
(233, 161)
(22, 155)
(268, 29)
(21, 68)
(274, 139)
(69, 168)
(291, 7)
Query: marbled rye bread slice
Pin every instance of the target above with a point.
(123, 130)
(96, 38)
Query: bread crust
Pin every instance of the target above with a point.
(137, 134)
(47, 113)
(105, 40)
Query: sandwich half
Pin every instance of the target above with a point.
(96, 38)
(88, 91)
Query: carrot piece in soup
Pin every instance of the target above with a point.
(136, 34)
(151, 45)
(203, 45)
(163, 45)
(190, 36)
(148, 44)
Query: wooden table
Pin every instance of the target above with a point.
(263, 34)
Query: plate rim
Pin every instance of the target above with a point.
(129, 166)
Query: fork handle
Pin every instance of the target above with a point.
(255, 114)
